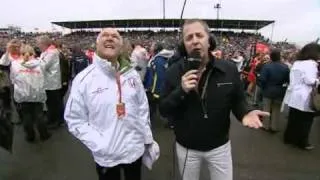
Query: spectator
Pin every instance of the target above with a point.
(79, 61)
(28, 79)
(273, 81)
(111, 118)
(50, 58)
(303, 77)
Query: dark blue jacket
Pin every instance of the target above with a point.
(156, 72)
(79, 62)
(273, 79)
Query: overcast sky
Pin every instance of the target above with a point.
(296, 20)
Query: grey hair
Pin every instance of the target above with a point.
(202, 22)
(44, 39)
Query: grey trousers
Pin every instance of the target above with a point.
(219, 162)
(272, 106)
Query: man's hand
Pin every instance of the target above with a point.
(189, 80)
(252, 119)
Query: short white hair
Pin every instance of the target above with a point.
(99, 36)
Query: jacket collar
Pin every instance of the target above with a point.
(106, 66)
(217, 64)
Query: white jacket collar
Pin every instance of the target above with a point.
(104, 64)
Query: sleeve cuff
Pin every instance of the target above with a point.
(148, 139)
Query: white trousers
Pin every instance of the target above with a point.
(218, 160)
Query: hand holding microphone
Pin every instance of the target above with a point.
(190, 79)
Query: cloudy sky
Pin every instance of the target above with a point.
(296, 20)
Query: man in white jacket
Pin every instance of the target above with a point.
(50, 57)
(108, 111)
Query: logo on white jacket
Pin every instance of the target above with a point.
(132, 82)
(99, 90)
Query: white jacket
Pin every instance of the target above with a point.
(303, 75)
(28, 81)
(5, 60)
(52, 74)
(139, 60)
(91, 114)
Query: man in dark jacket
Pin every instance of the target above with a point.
(155, 76)
(200, 102)
(273, 81)
(79, 60)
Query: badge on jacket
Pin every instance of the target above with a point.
(121, 110)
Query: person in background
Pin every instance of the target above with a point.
(139, 59)
(127, 49)
(12, 54)
(251, 76)
(257, 100)
(108, 112)
(303, 77)
(27, 76)
(79, 61)
(64, 68)
(90, 52)
(273, 81)
(155, 76)
(238, 60)
(50, 58)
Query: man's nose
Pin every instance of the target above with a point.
(109, 38)
(195, 40)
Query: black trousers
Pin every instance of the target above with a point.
(5, 96)
(298, 127)
(131, 171)
(64, 90)
(55, 106)
(153, 108)
(32, 113)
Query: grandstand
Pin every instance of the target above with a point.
(164, 23)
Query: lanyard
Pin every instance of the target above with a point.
(119, 87)
(203, 94)
(204, 89)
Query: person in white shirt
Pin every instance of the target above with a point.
(303, 77)
(108, 111)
